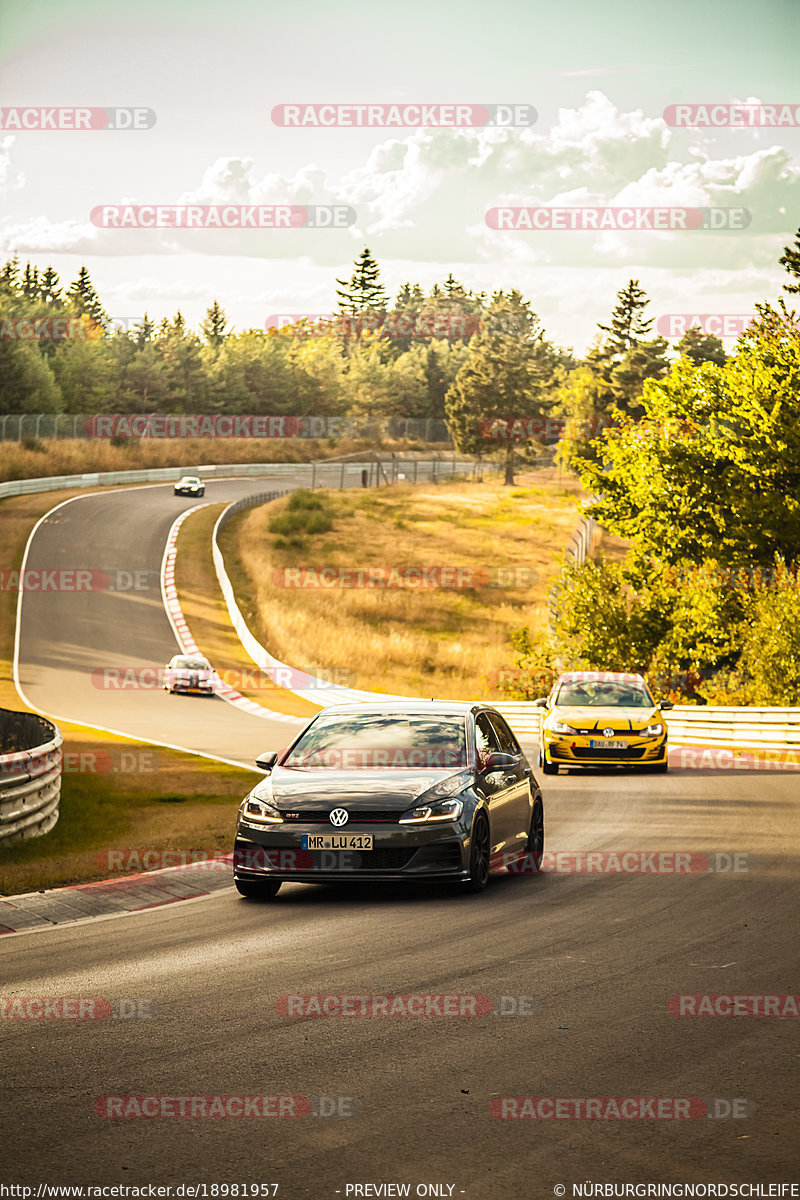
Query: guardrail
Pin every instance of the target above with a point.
(30, 775)
(324, 473)
(694, 725)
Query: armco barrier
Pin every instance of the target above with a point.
(694, 725)
(30, 775)
(325, 473)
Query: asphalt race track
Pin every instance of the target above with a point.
(68, 639)
(587, 960)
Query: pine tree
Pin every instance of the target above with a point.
(144, 331)
(364, 293)
(214, 326)
(49, 290)
(85, 300)
(628, 326)
(504, 380)
(9, 277)
(702, 347)
(30, 282)
(791, 261)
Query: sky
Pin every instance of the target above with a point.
(212, 76)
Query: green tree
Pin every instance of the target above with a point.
(628, 325)
(49, 289)
(27, 383)
(364, 292)
(9, 277)
(702, 347)
(713, 469)
(85, 300)
(504, 378)
(791, 261)
(214, 326)
(30, 282)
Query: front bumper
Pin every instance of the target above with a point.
(576, 751)
(399, 853)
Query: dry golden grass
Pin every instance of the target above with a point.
(432, 642)
(204, 607)
(34, 458)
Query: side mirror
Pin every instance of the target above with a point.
(267, 761)
(665, 704)
(497, 761)
(541, 702)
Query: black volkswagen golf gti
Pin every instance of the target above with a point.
(406, 790)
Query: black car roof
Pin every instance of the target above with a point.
(442, 707)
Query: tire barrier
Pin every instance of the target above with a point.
(30, 775)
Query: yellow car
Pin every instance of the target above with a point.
(601, 719)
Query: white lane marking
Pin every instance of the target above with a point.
(183, 635)
(231, 762)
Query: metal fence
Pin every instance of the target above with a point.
(16, 427)
(30, 775)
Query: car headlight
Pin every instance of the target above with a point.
(556, 726)
(255, 810)
(440, 802)
(653, 730)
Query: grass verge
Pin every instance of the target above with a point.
(207, 616)
(434, 641)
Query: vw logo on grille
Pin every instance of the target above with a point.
(339, 816)
(607, 733)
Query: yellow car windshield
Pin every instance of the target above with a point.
(602, 695)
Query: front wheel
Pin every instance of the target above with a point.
(479, 854)
(535, 847)
(257, 889)
(547, 767)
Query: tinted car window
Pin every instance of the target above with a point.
(485, 737)
(508, 743)
(383, 740)
(591, 694)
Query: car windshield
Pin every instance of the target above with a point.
(401, 740)
(191, 664)
(603, 694)
(190, 479)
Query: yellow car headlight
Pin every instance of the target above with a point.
(557, 726)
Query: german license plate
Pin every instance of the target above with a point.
(607, 744)
(337, 841)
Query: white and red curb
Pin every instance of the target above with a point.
(183, 634)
